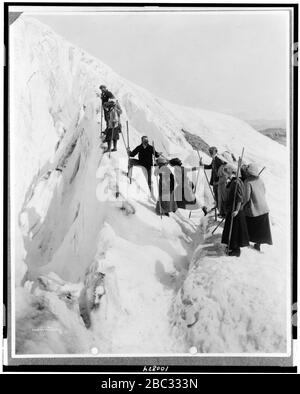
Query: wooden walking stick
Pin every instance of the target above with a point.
(111, 140)
(129, 169)
(234, 199)
(157, 182)
(218, 225)
(101, 119)
(127, 129)
(124, 140)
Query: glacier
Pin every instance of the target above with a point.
(96, 274)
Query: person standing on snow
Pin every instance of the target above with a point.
(106, 95)
(239, 236)
(222, 182)
(166, 202)
(214, 167)
(145, 154)
(184, 192)
(256, 208)
(114, 125)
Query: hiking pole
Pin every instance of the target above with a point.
(111, 140)
(261, 171)
(124, 141)
(128, 167)
(219, 224)
(157, 182)
(127, 129)
(101, 119)
(234, 199)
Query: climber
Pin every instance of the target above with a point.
(106, 95)
(114, 125)
(228, 157)
(145, 159)
(256, 208)
(214, 167)
(239, 235)
(184, 192)
(166, 202)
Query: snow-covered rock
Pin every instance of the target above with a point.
(94, 266)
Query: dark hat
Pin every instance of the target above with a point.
(175, 162)
(102, 87)
(212, 149)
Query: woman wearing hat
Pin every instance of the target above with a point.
(114, 124)
(166, 202)
(256, 208)
(239, 235)
(184, 192)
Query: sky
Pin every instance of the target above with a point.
(232, 62)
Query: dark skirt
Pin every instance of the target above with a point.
(112, 134)
(239, 235)
(259, 229)
(163, 207)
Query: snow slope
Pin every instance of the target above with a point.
(167, 285)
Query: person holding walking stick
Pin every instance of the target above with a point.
(235, 232)
(145, 154)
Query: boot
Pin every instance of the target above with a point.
(204, 209)
(108, 147)
(257, 247)
(115, 146)
(235, 252)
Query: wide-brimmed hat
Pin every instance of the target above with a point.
(252, 169)
(175, 162)
(161, 160)
(230, 168)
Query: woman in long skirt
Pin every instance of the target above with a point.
(166, 202)
(256, 208)
(239, 235)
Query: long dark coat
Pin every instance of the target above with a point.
(166, 202)
(239, 235)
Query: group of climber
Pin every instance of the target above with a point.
(237, 188)
(240, 197)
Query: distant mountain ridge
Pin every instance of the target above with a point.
(277, 134)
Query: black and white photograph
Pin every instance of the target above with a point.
(150, 180)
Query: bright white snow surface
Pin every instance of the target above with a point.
(168, 284)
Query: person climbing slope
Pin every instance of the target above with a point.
(256, 208)
(184, 192)
(114, 125)
(214, 167)
(145, 154)
(106, 95)
(166, 202)
(239, 235)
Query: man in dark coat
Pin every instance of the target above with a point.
(145, 154)
(214, 167)
(106, 95)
